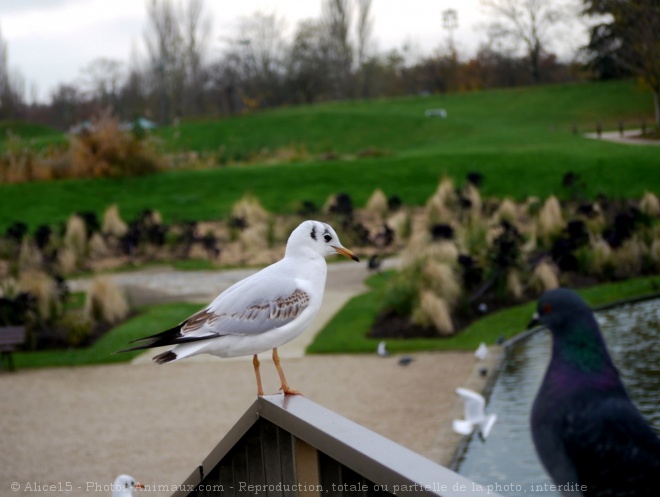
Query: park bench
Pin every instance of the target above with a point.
(11, 337)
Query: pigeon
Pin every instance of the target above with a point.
(261, 312)
(124, 485)
(585, 428)
(475, 415)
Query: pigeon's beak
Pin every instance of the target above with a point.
(534, 322)
(139, 485)
(346, 253)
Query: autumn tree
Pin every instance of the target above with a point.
(627, 37)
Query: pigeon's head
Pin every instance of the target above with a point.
(318, 237)
(124, 486)
(556, 308)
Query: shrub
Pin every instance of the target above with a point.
(105, 303)
(434, 310)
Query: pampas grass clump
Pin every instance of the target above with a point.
(654, 253)
(507, 211)
(513, 285)
(550, 220)
(544, 277)
(401, 223)
(44, 289)
(29, 256)
(650, 205)
(434, 310)
(105, 302)
(377, 203)
(443, 280)
(438, 206)
(113, 223)
(250, 209)
(67, 262)
(97, 247)
(471, 193)
(75, 236)
(627, 261)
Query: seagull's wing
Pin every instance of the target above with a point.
(474, 404)
(250, 307)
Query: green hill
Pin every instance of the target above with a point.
(520, 139)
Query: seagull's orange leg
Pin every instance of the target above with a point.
(285, 388)
(255, 363)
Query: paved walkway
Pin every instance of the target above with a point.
(629, 137)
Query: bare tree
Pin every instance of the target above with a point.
(177, 39)
(364, 30)
(12, 86)
(530, 22)
(102, 80)
(308, 62)
(337, 21)
(256, 55)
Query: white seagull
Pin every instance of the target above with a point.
(475, 415)
(482, 352)
(124, 486)
(263, 311)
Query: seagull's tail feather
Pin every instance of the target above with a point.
(172, 336)
(168, 356)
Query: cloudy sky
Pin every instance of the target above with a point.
(50, 41)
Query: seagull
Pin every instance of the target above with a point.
(482, 352)
(382, 349)
(475, 415)
(584, 426)
(261, 312)
(124, 486)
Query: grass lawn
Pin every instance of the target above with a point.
(347, 330)
(519, 139)
(152, 320)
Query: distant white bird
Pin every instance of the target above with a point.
(482, 352)
(475, 415)
(382, 349)
(124, 486)
(263, 311)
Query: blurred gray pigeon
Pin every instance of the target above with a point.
(585, 429)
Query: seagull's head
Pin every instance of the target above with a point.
(124, 486)
(318, 237)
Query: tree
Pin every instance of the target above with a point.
(103, 78)
(337, 22)
(308, 62)
(256, 56)
(628, 38)
(176, 39)
(530, 22)
(364, 29)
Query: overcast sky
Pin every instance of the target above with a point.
(50, 41)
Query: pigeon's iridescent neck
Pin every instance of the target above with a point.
(580, 357)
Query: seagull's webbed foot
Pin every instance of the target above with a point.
(285, 387)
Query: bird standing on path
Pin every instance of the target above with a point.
(124, 485)
(585, 428)
(263, 311)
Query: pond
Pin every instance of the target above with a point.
(507, 457)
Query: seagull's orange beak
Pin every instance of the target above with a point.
(346, 253)
(139, 485)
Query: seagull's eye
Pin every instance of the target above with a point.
(327, 237)
(546, 309)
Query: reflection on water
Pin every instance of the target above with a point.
(632, 333)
